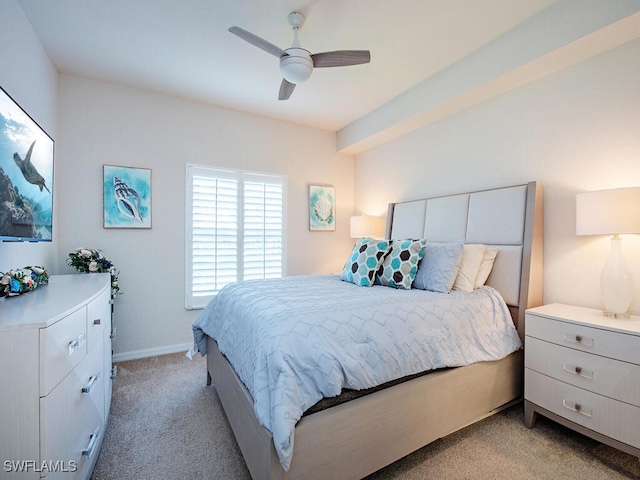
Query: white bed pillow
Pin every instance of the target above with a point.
(490, 255)
(472, 256)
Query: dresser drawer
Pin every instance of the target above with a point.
(62, 346)
(77, 397)
(86, 441)
(612, 418)
(606, 343)
(98, 317)
(108, 380)
(611, 378)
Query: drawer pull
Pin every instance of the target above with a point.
(75, 344)
(113, 333)
(579, 339)
(114, 372)
(93, 440)
(86, 390)
(583, 372)
(576, 407)
(96, 321)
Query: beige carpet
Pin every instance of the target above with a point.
(166, 423)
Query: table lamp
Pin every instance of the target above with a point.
(611, 212)
(364, 226)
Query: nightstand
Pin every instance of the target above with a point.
(582, 370)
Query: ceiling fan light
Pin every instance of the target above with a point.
(296, 67)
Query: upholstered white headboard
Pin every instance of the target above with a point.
(509, 218)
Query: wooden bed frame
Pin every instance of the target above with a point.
(356, 438)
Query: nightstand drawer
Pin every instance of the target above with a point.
(615, 419)
(611, 378)
(587, 339)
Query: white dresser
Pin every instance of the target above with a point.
(55, 372)
(582, 370)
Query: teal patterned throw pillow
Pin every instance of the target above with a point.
(364, 262)
(401, 264)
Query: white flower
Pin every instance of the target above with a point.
(5, 280)
(38, 270)
(93, 267)
(85, 253)
(114, 284)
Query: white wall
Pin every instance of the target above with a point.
(577, 130)
(102, 123)
(27, 74)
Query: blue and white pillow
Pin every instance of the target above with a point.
(439, 267)
(400, 266)
(364, 262)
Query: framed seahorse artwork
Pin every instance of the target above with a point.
(322, 208)
(126, 197)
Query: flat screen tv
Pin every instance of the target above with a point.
(26, 176)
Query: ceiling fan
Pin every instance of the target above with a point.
(296, 63)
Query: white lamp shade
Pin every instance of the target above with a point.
(608, 212)
(364, 226)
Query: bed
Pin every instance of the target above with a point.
(358, 437)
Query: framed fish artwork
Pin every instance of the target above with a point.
(127, 197)
(322, 208)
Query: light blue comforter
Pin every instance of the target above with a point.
(295, 340)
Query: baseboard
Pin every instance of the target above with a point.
(151, 352)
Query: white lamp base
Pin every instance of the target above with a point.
(616, 282)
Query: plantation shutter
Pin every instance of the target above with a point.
(235, 230)
(263, 228)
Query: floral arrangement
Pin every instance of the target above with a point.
(89, 260)
(15, 282)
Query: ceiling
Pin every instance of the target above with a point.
(183, 48)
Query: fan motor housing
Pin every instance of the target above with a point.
(296, 67)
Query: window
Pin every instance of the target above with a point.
(235, 230)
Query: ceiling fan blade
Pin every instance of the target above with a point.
(258, 42)
(286, 89)
(341, 58)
